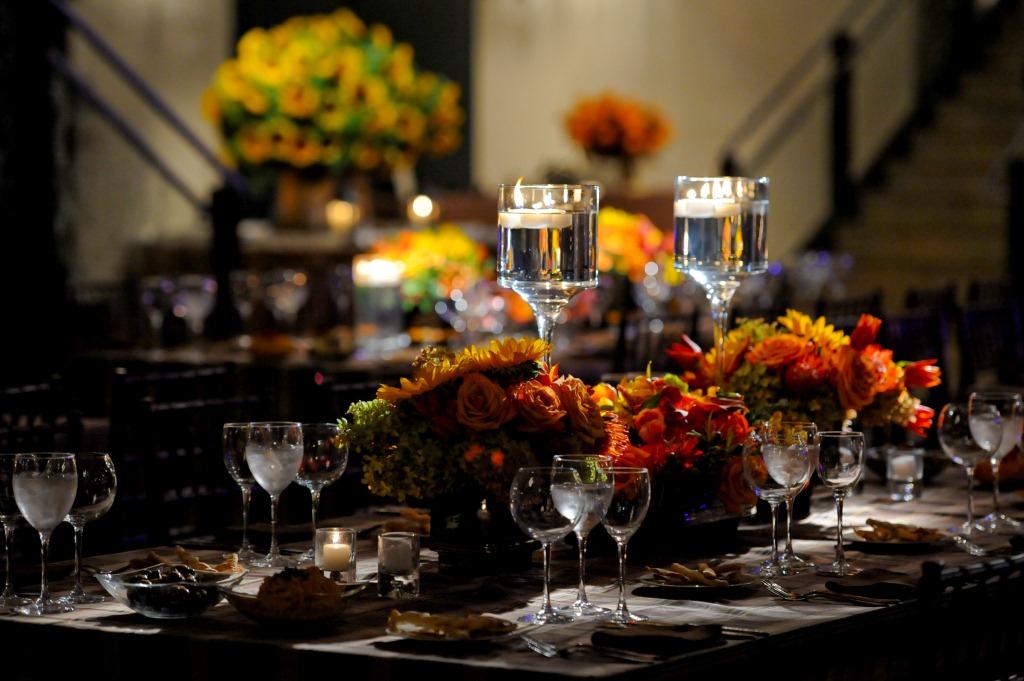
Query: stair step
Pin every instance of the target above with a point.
(900, 246)
(883, 211)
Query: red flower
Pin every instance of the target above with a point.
(921, 421)
(687, 353)
(865, 332)
(734, 427)
(650, 424)
(922, 374)
(806, 374)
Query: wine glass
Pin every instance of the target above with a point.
(1008, 416)
(721, 228)
(547, 246)
(546, 503)
(246, 291)
(286, 292)
(273, 451)
(194, 296)
(9, 515)
(155, 296)
(236, 437)
(44, 489)
(324, 457)
(631, 497)
(597, 493)
(840, 458)
(959, 445)
(806, 432)
(97, 485)
(776, 466)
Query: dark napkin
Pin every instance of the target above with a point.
(877, 583)
(658, 640)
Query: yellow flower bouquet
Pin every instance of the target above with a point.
(327, 92)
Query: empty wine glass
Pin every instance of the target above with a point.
(155, 297)
(546, 504)
(194, 296)
(631, 497)
(9, 515)
(44, 489)
(246, 291)
(236, 437)
(959, 445)
(547, 246)
(274, 453)
(776, 466)
(840, 457)
(324, 457)
(286, 292)
(806, 432)
(97, 485)
(1007, 417)
(597, 493)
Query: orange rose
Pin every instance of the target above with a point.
(584, 414)
(776, 351)
(636, 391)
(806, 374)
(604, 395)
(538, 405)
(481, 404)
(865, 332)
(650, 424)
(733, 490)
(856, 377)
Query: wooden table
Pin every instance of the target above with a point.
(975, 632)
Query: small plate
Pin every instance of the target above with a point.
(249, 605)
(520, 629)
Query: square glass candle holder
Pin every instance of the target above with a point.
(379, 317)
(335, 553)
(398, 565)
(904, 470)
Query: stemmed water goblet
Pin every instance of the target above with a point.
(776, 466)
(194, 297)
(597, 493)
(989, 412)
(631, 497)
(236, 438)
(324, 457)
(44, 489)
(9, 516)
(273, 451)
(286, 292)
(97, 486)
(840, 458)
(546, 503)
(547, 246)
(721, 226)
(791, 431)
(959, 445)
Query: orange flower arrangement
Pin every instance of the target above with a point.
(805, 369)
(474, 418)
(627, 242)
(609, 125)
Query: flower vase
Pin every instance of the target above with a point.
(475, 535)
(301, 200)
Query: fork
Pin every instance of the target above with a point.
(973, 549)
(779, 591)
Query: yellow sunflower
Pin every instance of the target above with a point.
(427, 377)
(817, 331)
(501, 354)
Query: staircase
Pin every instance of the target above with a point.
(941, 215)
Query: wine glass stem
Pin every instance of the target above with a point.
(995, 486)
(545, 329)
(789, 526)
(774, 506)
(840, 556)
(315, 497)
(44, 555)
(720, 296)
(79, 537)
(621, 609)
(8, 540)
(273, 526)
(581, 591)
(246, 498)
(970, 497)
(547, 579)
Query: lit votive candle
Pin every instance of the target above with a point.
(534, 218)
(335, 558)
(371, 271)
(335, 552)
(715, 200)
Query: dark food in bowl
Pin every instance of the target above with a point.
(171, 591)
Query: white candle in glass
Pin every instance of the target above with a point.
(534, 218)
(371, 271)
(336, 558)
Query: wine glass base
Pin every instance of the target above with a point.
(767, 568)
(306, 557)
(793, 564)
(584, 609)
(1000, 523)
(47, 607)
(838, 569)
(272, 561)
(13, 601)
(543, 617)
(83, 599)
(246, 555)
(625, 618)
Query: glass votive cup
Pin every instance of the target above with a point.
(904, 470)
(398, 565)
(335, 553)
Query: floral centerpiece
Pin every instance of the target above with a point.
(617, 127)
(326, 92)
(464, 423)
(806, 369)
(690, 440)
(627, 242)
(437, 260)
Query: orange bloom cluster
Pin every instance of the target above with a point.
(808, 369)
(627, 242)
(610, 125)
(699, 433)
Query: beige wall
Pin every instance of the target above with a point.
(114, 197)
(705, 63)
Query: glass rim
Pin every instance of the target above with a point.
(996, 395)
(513, 185)
(46, 455)
(320, 424)
(762, 179)
(238, 424)
(627, 469)
(335, 529)
(265, 424)
(398, 535)
(580, 457)
(841, 433)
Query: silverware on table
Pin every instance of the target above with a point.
(962, 543)
(779, 591)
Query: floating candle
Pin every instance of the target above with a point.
(534, 218)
